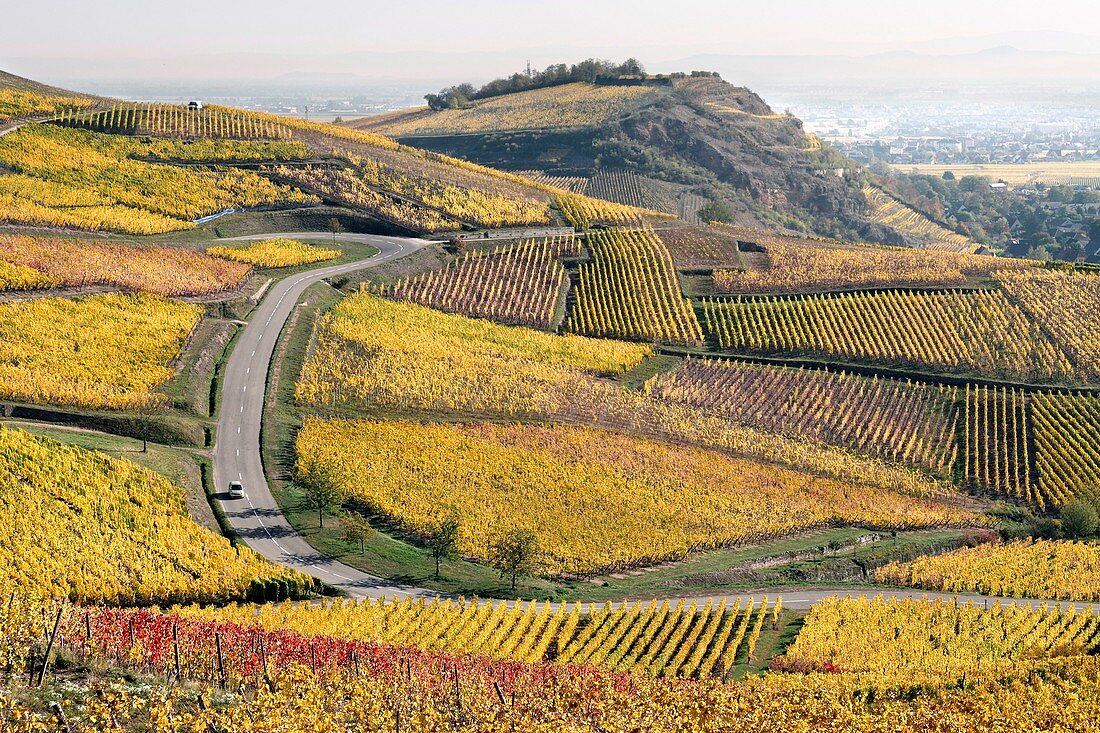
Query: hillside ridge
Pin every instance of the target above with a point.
(710, 139)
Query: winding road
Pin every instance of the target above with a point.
(257, 518)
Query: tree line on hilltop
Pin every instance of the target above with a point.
(588, 70)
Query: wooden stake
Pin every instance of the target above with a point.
(49, 646)
(209, 726)
(60, 713)
(263, 660)
(221, 659)
(110, 714)
(176, 652)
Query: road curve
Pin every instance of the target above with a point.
(260, 522)
(257, 518)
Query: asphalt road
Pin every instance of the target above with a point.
(262, 525)
(257, 518)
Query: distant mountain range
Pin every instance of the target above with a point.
(1002, 57)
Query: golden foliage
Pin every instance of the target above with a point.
(17, 103)
(20, 277)
(1067, 306)
(347, 188)
(171, 271)
(900, 421)
(140, 197)
(670, 639)
(794, 268)
(970, 332)
(517, 283)
(912, 641)
(275, 253)
(369, 352)
(887, 210)
(630, 290)
(584, 211)
(103, 351)
(81, 525)
(597, 501)
(464, 204)
(174, 120)
(1019, 569)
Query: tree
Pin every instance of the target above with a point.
(1094, 231)
(333, 225)
(1079, 519)
(948, 176)
(357, 529)
(443, 540)
(321, 494)
(716, 211)
(514, 553)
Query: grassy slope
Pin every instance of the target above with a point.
(11, 81)
(559, 107)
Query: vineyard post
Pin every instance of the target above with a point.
(110, 714)
(312, 658)
(202, 708)
(263, 660)
(221, 659)
(355, 661)
(176, 652)
(49, 646)
(55, 706)
(458, 692)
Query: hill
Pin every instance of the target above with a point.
(21, 98)
(671, 143)
(133, 168)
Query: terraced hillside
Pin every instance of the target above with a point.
(155, 168)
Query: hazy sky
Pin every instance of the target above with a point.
(41, 34)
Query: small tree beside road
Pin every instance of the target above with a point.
(333, 225)
(357, 529)
(515, 553)
(322, 494)
(443, 541)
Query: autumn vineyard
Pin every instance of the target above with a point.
(304, 426)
